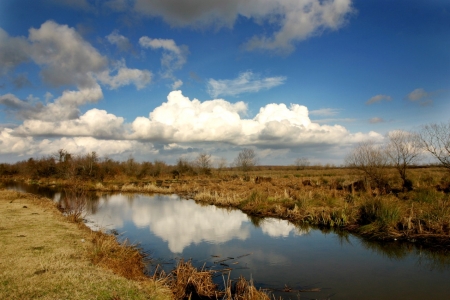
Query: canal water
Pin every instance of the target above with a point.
(274, 253)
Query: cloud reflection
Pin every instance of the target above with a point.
(178, 222)
(280, 228)
(182, 223)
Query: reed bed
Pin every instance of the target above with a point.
(186, 282)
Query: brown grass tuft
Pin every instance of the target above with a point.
(123, 259)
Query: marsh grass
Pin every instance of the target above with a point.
(379, 212)
(189, 282)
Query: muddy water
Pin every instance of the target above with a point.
(274, 253)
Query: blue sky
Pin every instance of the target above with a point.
(158, 79)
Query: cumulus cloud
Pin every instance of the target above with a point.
(66, 58)
(94, 123)
(295, 20)
(125, 76)
(9, 143)
(63, 108)
(246, 82)
(180, 120)
(13, 51)
(378, 98)
(120, 41)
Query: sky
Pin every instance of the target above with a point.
(165, 79)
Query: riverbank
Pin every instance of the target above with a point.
(47, 257)
(332, 198)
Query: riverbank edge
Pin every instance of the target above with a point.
(46, 256)
(320, 217)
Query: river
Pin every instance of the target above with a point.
(274, 253)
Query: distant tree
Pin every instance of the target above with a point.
(435, 139)
(301, 163)
(184, 166)
(159, 167)
(403, 150)
(221, 163)
(203, 163)
(370, 158)
(246, 160)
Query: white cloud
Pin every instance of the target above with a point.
(120, 41)
(378, 98)
(14, 144)
(177, 84)
(63, 108)
(125, 76)
(83, 145)
(174, 56)
(10, 143)
(180, 120)
(295, 20)
(66, 58)
(246, 82)
(94, 123)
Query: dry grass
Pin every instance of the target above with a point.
(44, 256)
(188, 282)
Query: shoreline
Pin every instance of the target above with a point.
(59, 257)
(389, 218)
(46, 256)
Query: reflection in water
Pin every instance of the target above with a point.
(179, 223)
(272, 252)
(280, 228)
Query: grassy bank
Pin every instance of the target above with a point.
(44, 256)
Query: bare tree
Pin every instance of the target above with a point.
(403, 150)
(203, 163)
(301, 163)
(246, 160)
(221, 163)
(370, 158)
(435, 139)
